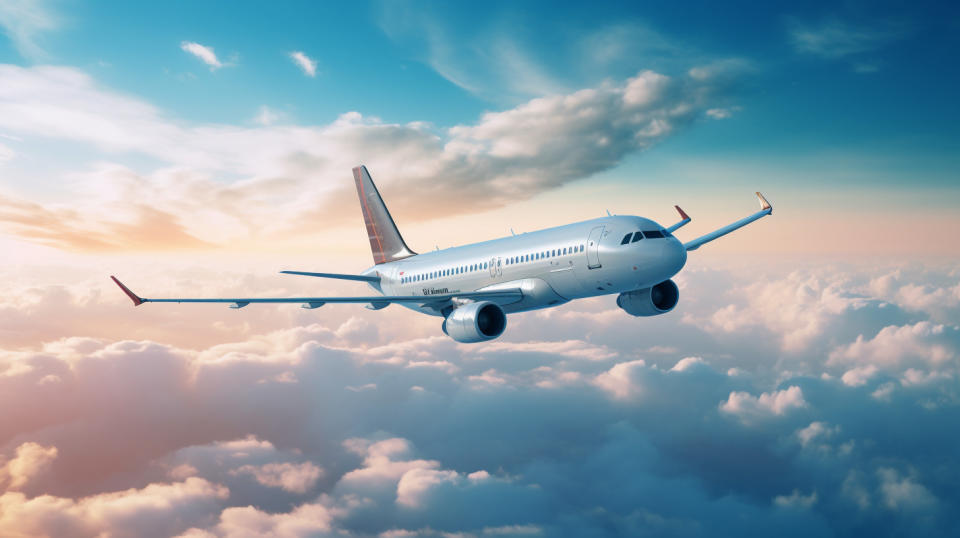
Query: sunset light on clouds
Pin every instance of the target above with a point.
(806, 383)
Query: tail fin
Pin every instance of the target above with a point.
(385, 241)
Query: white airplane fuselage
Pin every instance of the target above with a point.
(551, 266)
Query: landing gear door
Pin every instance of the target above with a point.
(593, 248)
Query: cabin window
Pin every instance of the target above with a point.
(581, 248)
(637, 236)
(484, 265)
(654, 234)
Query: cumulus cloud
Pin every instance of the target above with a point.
(290, 170)
(155, 510)
(295, 478)
(204, 53)
(262, 433)
(31, 459)
(922, 343)
(748, 407)
(305, 63)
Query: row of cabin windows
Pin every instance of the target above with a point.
(485, 265)
(445, 272)
(544, 254)
(636, 236)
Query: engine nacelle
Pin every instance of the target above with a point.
(652, 301)
(475, 322)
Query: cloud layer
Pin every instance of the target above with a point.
(581, 421)
(223, 182)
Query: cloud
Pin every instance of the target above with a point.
(623, 438)
(903, 492)
(286, 170)
(307, 65)
(295, 478)
(151, 511)
(749, 408)
(923, 343)
(833, 38)
(31, 460)
(203, 52)
(796, 500)
(23, 21)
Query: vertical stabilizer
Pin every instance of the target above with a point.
(385, 240)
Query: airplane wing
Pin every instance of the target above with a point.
(362, 278)
(765, 209)
(373, 302)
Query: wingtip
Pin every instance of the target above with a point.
(137, 301)
(683, 214)
(764, 204)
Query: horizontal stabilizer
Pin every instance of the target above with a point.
(361, 278)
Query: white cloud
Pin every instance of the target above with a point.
(816, 430)
(31, 459)
(23, 21)
(796, 500)
(904, 492)
(307, 65)
(620, 381)
(750, 408)
(415, 483)
(687, 363)
(155, 509)
(504, 157)
(304, 521)
(923, 343)
(292, 477)
(859, 376)
(203, 52)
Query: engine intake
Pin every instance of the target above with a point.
(475, 322)
(652, 301)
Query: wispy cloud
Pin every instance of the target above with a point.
(23, 21)
(203, 52)
(833, 38)
(305, 63)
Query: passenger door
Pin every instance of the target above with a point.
(593, 248)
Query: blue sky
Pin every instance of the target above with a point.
(873, 79)
(830, 108)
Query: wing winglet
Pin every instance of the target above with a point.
(764, 204)
(137, 301)
(684, 220)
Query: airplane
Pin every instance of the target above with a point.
(473, 287)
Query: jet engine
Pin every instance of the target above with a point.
(652, 301)
(475, 322)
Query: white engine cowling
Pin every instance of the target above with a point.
(475, 322)
(652, 301)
